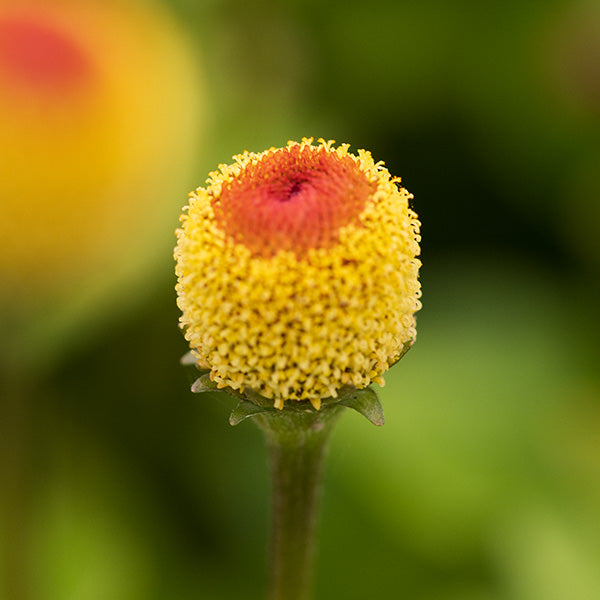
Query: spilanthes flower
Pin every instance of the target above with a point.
(86, 140)
(101, 104)
(298, 272)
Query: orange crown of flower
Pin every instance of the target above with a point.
(295, 199)
(297, 271)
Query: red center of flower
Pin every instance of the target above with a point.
(295, 198)
(39, 55)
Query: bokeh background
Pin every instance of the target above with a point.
(116, 482)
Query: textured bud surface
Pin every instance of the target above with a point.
(297, 271)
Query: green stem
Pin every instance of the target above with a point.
(297, 440)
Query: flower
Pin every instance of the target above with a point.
(297, 271)
(100, 107)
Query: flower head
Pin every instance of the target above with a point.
(297, 271)
(86, 140)
(100, 107)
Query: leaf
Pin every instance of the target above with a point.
(405, 348)
(188, 359)
(204, 384)
(367, 403)
(244, 410)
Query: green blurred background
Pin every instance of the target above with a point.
(484, 484)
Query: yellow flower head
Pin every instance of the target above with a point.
(297, 271)
(100, 107)
(97, 113)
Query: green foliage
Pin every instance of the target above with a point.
(484, 483)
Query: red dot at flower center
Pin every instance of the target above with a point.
(295, 189)
(39, 55)
(294, 198)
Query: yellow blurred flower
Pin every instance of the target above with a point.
(297, 271)
(99, 111)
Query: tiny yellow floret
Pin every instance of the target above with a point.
(298, 272)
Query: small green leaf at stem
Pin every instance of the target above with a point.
(245, 409)
(188, 359)
(204, 384)
(366, 402)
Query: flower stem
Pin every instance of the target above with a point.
(296, 440)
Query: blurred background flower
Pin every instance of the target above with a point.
(100, 104)
(484, 483)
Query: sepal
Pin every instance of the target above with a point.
(250, 403)
(246, 409)
(405, 348)
(188, 359)
(364, 401)
(204, 384)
